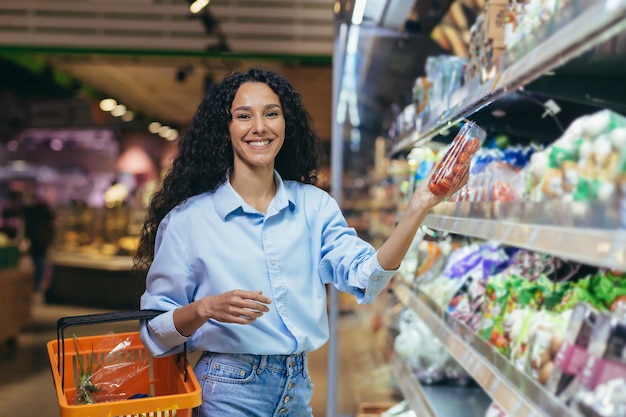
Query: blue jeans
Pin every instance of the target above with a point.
(254, 385)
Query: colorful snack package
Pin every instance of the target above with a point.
(572, 354)
(606, 366)
(604, 362)
(545, 339)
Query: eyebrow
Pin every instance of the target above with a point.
(266, 107)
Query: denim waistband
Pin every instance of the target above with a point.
(288, 364)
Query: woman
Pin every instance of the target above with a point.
(240, 245)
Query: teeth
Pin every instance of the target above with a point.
(259, 143)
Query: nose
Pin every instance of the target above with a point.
(259, 125)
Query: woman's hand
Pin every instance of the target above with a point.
(425, 199)
(237, 306)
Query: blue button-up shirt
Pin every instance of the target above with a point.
(216, 242)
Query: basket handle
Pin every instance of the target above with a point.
(100, 318)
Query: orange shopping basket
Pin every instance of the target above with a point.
(159, 387)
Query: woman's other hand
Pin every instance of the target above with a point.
(237, 306)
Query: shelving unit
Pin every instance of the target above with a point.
(438, 400)
(592, 246)
(593, 22)
(591, 234)
(410, 387)
(516, 392)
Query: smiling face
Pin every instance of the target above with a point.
(257, 128)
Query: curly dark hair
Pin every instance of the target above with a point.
(205, 152)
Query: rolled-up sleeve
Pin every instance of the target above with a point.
(377, 281)
(160, 336)
(347, 261)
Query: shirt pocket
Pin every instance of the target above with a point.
(226, 368)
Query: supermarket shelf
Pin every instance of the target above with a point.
(438, 400)
(410, 387)
(591, 246)
(595, 21)
(516, 392)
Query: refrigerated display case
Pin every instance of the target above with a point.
(577, 44)
(92, 257)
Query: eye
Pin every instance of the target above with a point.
(272, 113)
(242, 116)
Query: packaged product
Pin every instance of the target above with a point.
(572, 355)
(461, 264)
(605, 370)
(494, 308)
(455, 164)
(544, 342)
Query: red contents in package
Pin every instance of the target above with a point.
(456, 162)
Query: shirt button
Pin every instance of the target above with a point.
(273, 262)
(287, 399)
(282, 310)
(374, 278)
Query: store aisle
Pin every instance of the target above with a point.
(26, 386)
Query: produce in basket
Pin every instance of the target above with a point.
(86, 391)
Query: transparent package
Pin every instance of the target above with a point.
(455, 164)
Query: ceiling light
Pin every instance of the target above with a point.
(498, 113)
(198, 5)
(119, 110)
(128, 116)
(359, 11)
(336, 7)
(154, 127)
(163, 131)
(107, 104)
(171, 135)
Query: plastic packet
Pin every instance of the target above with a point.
(108, 371)
(572, 355)
(455, 164)
(544, 343)
(605, 370)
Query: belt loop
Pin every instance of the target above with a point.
(305, 363)
(262, 364)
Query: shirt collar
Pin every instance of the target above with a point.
(227, 200)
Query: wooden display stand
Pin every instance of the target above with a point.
(15, 303)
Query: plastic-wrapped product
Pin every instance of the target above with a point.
(572, 354)
(456, 162)
(595, 388)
